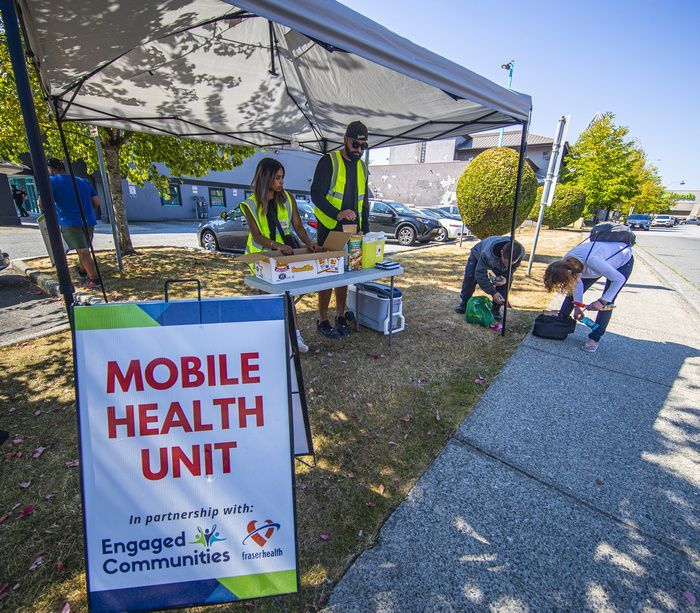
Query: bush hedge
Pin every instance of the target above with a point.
(567, 206)
(486, 192)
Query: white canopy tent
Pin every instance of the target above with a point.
(258, 72)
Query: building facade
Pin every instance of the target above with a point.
(426, 174)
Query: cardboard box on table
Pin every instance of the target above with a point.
(275, 267)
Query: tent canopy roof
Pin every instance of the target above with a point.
(255, 72)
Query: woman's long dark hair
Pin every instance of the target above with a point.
(262, 182)
(561, 275)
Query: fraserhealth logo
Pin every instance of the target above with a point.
(260, 535)
(206, 537)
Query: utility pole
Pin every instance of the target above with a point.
(510, 67)
(550, 182)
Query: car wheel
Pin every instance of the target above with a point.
(208, 241)
(441, 235)
(406, 235)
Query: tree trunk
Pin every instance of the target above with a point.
(111, 151)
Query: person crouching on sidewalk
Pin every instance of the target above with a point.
(578, 270)
(490, 254)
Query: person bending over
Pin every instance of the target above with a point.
(579, 269)
(490, 254)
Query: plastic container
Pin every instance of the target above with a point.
(374, 306)
(372, 249)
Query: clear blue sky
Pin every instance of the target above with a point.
(638, 59)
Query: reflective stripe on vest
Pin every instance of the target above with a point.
(284, 215)
(336, 189)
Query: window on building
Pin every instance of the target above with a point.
(546, 155)
(217, 197)
(175, 196)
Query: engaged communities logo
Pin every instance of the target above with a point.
(206, 537)
(260, 535)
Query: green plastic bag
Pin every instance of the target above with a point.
(479, 311)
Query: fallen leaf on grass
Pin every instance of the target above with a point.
(3, 587)
(479, 380)
(37, 413)
(690, 598)
(26, 511)
(353, 414)
(405, 418)
(11, 409)
(66, 608)
(370, 405)
(24, 484)
(72, 463)
(382, 489)
(392, 443)
(59, 566)
(322, 599)
(48, 497)
(325, 537)
(17, 506)
(336, 421)
(371, 504)
(38, 451)
(350, 475)
(4, 517)
(37, 562)
(9, 455)
(18, 440)
(599, 481)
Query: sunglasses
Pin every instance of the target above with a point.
(356, 144)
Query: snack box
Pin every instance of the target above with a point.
(354, 253)
(275, 267)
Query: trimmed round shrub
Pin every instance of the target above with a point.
(486, 192)
(567, 206)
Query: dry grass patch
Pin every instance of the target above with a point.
(379, 416)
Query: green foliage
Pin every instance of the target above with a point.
(486, 192)
(611, 169)
(567, 206)
(650, 194)
(135, 154)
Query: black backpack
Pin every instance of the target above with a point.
(553, 327)
(609, 232)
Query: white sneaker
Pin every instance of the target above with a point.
(303, 347)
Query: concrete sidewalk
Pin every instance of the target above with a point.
(572, 486)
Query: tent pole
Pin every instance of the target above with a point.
(41, 173)
(521, 163)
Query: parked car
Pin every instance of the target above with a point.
(450, 209)
(230, 231)
(4, 260)
(451, 227)
(691, 221)
(640, 221)
(663, 220)
(397, 220)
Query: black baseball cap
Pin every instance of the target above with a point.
(357, 130)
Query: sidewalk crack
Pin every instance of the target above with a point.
(458, 440)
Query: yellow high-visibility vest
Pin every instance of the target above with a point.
(336, 189)
(284, 215)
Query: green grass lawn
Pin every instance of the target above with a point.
(379, 416)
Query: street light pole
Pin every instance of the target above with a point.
(510, 67)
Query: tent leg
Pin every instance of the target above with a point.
(41, 173)
(521, 163)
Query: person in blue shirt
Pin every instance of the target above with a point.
(70, 219)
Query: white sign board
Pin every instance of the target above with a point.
(185, 425)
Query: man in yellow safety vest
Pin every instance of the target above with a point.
(339, 193)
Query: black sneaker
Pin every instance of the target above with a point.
(325, 329)
(350, 317)
(81, 274)
(497, 317)
(461, 308)
(341, 325)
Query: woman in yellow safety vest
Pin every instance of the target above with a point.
(270, 211)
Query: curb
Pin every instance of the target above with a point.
(48, 284)
(666, 274)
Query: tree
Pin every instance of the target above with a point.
(129, 155)
(601, 162)
(650, 196)
(486, 192)
(567, 206)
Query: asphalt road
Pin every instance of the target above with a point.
(677, 247)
